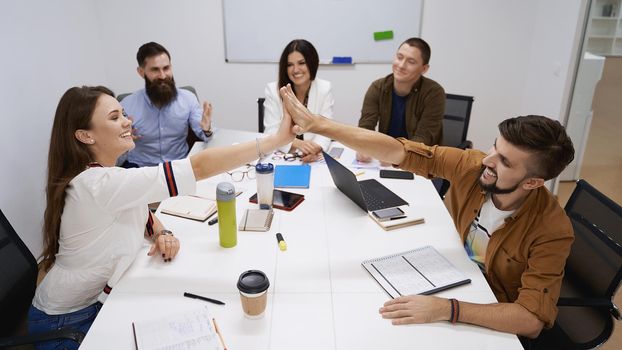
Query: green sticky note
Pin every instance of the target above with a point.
(386, 35)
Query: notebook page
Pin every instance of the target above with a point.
(187, 330)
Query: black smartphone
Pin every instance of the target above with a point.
(283, 200)
(388, 214)
(397, 174)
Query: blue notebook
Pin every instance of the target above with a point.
(295, 176)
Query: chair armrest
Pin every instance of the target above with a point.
(466, 144)
(595, 302)
(63, 333)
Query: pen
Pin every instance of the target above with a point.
(282, 244)
(222, 341)
(213, 221)
(194, 296)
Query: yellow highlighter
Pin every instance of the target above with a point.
(282, 244)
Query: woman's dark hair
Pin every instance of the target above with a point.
(67, 158)
(307, 51)
(545, 138)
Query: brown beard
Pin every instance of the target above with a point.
(492, 188)
(161, 92)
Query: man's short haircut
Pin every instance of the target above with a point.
(419, 43)
(149, 50)
(546, 138)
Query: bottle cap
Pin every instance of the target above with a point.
(225, 191)
(264, 168)
(253, 282)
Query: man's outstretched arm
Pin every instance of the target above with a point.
(505, 317)
(372, 143)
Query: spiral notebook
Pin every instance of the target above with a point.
(419, 271)
(256, 220)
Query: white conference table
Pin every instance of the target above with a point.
(320, 297)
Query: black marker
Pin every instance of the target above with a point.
(209, 300)
(213, 221)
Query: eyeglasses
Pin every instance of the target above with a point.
(288, 157)
(238, 175)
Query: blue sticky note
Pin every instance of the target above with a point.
(297, 176)
(342, 60)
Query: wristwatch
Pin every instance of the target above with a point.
(164, 232)
(208, 133)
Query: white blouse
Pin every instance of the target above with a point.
(102, 230)
(320, 102)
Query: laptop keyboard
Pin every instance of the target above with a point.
(372, 201)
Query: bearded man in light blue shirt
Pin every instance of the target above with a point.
(162, 113)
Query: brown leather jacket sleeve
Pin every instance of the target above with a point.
(370, 114)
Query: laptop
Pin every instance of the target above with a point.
(369, 194)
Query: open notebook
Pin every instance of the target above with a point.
(194, 329)
(419, 271)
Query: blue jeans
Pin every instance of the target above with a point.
(81, 320)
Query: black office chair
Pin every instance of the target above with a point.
(455, 128)
(592, 274)
(191, 138)
(260, 109)
(18, 273)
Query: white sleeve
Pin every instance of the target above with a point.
(325, 109)
(117, 189)
(273, 113)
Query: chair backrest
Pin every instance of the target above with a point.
(597, 251)
(18, 273)
(594, 266)
(260, 109)
(456, 120)
(191, 89)
(120, 97)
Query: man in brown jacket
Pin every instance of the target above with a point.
(405, 103)
(509, 223)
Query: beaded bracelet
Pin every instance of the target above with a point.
(455, 311)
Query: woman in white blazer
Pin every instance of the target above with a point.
(298, 66)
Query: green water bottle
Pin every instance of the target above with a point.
(227, 227)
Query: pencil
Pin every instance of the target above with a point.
(222, 341)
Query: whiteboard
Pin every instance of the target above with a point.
(258, 30)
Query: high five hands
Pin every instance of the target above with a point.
(301, 117)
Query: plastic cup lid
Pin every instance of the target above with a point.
(264, 168)
(253, 281)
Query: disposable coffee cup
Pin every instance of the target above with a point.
(253, 286)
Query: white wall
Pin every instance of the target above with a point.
(47, 47)
(514, 56)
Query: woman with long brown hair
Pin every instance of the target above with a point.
(298, 67)
(97, 217)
